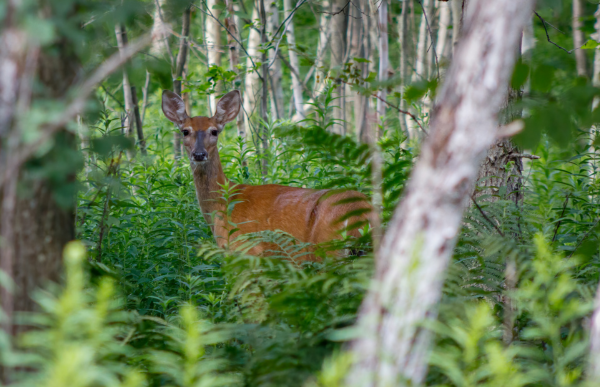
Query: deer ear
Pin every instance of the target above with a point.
(173, 107)
(227, 108)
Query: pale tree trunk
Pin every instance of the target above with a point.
(234, 58)
(384, 59)
(325, 29)
(420, 239)
(579, 38)
(421, 58)
(456, 6)
(360, 49)
(213, 43)
(264, 89)
(252, 81)
(179, 66)
(420, 72)
(596, 75)
(121, 43)
(275, 73)
(442, 37)
(403, 26)
(319, 69)
(160, 46)
(339, 27)
(296, 81)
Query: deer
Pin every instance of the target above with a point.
(309, 215)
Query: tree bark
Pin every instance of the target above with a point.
(421, 59)
(296, 81)
(442, 38)
(275, 73)
(384, 59)
(213, 44)
(33, 226)
(456, 6)
(161, 45)
(421, 236)
(339, 26)
(129, 120)
(234, 58)
(179, 66)
(252, 82)
(324, 40)
(596, 69)
(265, 88)
(138, 121)
(579, 38)
(403, 26)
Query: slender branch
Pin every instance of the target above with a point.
(486, 217)
(561, 216)
(112, 96)
(544, 22)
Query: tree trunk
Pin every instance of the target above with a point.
(252, 82)
(421, 236)
(296, 81)
(384, 60)
(265, 89)
(213, 43)
(421, 59)
(579, 38)
(275, 69)
(138, 121)
(339, 26)
(325, 29)
(129, 120)
(179, 66)
(456, 6)
(360, 48)
(161, 45)
(234, 58)
(596, 69)
(442, 38)
(403, 26)
(33, 226)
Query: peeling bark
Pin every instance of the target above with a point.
(420, 239)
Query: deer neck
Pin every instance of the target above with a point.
(207, 178)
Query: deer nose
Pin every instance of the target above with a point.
(200, 156)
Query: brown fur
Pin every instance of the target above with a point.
(308, 215)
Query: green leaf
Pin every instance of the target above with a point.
(590, 45)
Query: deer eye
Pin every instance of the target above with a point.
(214, 132)
(185, 132)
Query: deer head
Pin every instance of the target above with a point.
(200, 134)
